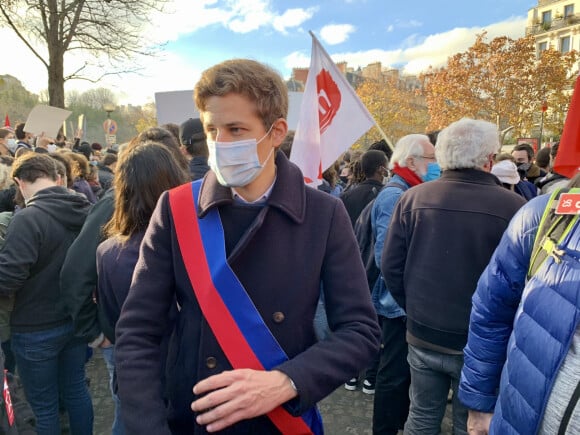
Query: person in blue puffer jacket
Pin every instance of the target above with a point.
(522, 358)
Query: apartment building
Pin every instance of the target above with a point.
(556, 24)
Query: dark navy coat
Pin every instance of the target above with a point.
(298, 239)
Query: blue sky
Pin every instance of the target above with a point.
(199, 33)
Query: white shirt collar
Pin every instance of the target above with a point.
(261, 200)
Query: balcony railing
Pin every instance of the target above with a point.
(555, 24)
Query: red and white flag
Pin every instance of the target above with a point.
(567, 161)
(332, 117)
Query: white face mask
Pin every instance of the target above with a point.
(236, 163)
(11, 144)
(51, 148)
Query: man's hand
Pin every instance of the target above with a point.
(238, 395)
(106, 343)
(478, 422)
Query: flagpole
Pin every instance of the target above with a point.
(384, 136)
(374, 120)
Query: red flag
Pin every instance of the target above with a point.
(332, 117)
(7, 121)
(567, 160)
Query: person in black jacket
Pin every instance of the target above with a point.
(192, 138)
(36, 243)
(374, 167)
(441, 237)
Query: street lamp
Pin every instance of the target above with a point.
(109, 107)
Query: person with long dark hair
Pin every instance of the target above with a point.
(143, 173)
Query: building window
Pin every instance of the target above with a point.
(565, 44)
(546, 17)
(542, 46)
(568, 10)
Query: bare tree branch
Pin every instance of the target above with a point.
(19, 34)
(99, 27)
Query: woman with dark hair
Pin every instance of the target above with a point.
(143, 173)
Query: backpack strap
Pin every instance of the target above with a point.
(552, 230)
(569, 411)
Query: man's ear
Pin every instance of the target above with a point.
(279, 131)
(410, 163)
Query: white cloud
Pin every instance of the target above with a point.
(292, 18)
(390, 28)
(297, 59)
(182, 17)
(418, 52)
(336, 33)
(248, 15)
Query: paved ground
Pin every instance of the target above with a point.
(343, 412)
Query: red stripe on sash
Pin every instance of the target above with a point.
(223, 326)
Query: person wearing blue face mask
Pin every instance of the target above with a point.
(243, 252)
(433, 172)
(412, 164)
(441, 237)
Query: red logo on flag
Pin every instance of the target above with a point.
(329, 99)
(569, 203)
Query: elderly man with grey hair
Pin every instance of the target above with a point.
(441, 237)
(412, 163)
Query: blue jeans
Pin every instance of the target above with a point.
(432, 373)
(109, 357)
(52, 363)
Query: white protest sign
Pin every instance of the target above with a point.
(46, 119)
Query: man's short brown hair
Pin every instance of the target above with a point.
(253, 80)
(32, 166)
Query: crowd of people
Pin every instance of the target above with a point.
(225, 295)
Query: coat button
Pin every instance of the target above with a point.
(278, 317)
(211, 362)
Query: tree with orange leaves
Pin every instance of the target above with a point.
(501, 81)
(396, 109)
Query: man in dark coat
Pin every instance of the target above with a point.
(282, 239)
(441, 237)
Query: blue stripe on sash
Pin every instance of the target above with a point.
(238, 302)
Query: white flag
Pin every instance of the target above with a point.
(332, 117)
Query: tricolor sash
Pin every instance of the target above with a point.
(234, 320)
